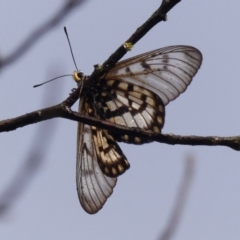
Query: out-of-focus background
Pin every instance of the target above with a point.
(144, 196)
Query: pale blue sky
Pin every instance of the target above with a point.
(143, 198)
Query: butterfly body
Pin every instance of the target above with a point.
(134, 94)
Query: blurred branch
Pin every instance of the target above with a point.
(180, 200)
(37, 153)
(39, 32)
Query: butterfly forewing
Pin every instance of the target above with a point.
(165, 71)
(93, 186)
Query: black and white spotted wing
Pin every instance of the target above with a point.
(134, 94)
(97, 156)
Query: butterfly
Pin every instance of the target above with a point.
(134, 93)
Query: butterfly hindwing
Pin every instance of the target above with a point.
(93, 186)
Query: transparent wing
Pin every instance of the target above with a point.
(132, 106)
(93, 186)
(165, 71)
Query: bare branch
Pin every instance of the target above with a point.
(65, 112)
(159, 15)
(30, 118)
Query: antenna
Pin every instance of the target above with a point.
(65, 30)
(77, 75)
(38, 85)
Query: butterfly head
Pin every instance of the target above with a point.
(78, 76)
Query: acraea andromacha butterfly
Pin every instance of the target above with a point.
(134, 93)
